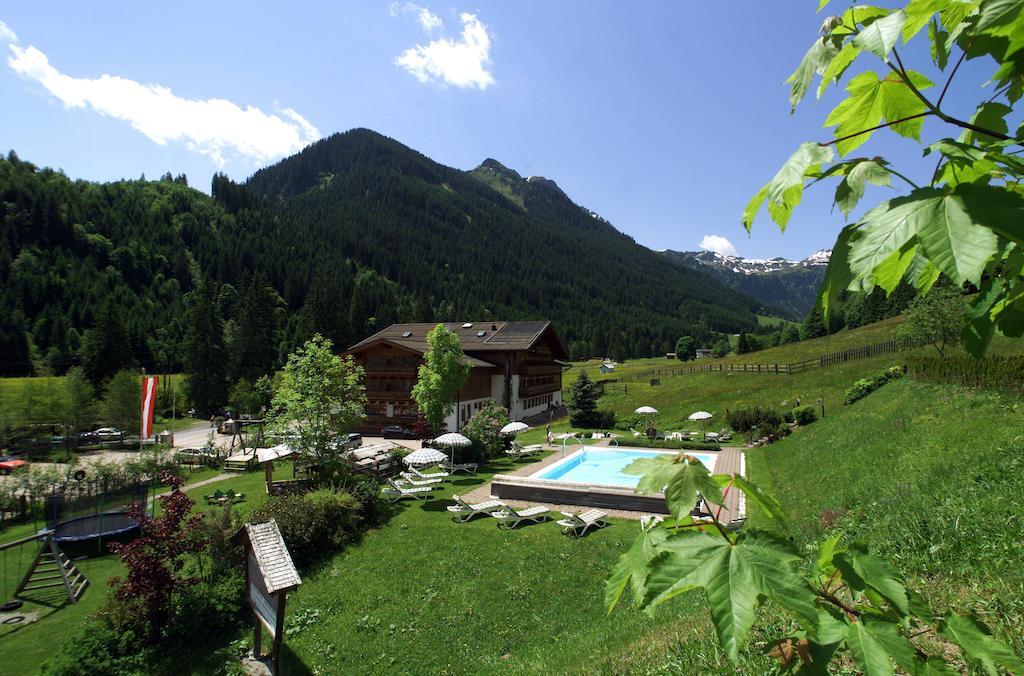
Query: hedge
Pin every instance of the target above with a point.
(866, 386)
(1004, 373)
(670, 444)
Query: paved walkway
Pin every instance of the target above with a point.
(729, 461)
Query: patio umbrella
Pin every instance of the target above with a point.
(514, 428)
(452, 440)
(425, 456)
(647, 411)
(701, 416)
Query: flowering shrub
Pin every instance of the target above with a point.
(312, 524)
(484, 430)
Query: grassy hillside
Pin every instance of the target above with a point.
(930, 477)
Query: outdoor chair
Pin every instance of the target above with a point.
(518, 451)
(578, 524)
(462, 511)
(724, 435)
(467, 467)
(393, 492)
(510, 517)
(429, 475)
(412, 480)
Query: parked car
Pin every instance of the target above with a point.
(397, 432)
(108, 434)
(9, 463)
(351, 440)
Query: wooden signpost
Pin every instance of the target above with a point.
(269, 576)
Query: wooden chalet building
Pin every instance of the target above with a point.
(516, 364)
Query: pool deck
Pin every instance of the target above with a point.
(729, 461)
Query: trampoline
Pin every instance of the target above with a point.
(92, 526)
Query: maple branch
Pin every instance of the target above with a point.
(949, 119)
(875, 128)
(963, 55)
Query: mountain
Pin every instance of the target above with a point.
(353, 233)
(791, 286)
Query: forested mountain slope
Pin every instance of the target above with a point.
(353, 233)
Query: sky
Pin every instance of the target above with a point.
(662, 117)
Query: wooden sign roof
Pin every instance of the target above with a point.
(272, 557)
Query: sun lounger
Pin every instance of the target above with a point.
(578, 524)
(510, 517)
(394, 492)
(413, 480)
(467, 467)
(518, 451)
(429, 475)
(462, 511)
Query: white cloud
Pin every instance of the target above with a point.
(427, 19)
(462, 64)
(6, 34)
(216, 128)
(718, 244)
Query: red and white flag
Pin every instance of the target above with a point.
(148, 405)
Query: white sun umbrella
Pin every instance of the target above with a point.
(514, 428)
(425, 456)
(701, 416)
(647, 411)
(452, 440)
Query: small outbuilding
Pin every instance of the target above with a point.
(704, 353)
(607, 367)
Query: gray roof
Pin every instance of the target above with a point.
(473, 336)
(272, 556)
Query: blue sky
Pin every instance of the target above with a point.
(663, 117)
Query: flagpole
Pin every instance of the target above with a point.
(142, 411)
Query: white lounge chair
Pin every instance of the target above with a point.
(518, 451)
(413, 480)
(462, 511)
(467, 467)
(394, 492)
(579, 524)
(429, 475)
(510, 517)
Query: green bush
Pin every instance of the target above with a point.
(866, 386)
(1004, 373)
(745, 419)
(314, 524)
(643, 442)
(484, 430)
(804, 415)
(788, 416)
(97, 648)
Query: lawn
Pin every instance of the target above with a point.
(931, 477)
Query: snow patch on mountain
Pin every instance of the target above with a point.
(751, 266)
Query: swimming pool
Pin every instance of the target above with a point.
(605, 467)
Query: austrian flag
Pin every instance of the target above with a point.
(148, 405)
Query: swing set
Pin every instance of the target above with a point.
(49, 568)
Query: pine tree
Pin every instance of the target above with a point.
(582, 401)
(205, 357)
(743, 345)
(106, 348)
(257, 326)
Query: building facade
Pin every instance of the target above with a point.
(516, 364)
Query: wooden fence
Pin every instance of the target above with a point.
(863, 352)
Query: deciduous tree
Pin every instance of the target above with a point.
(441, 375)
(935, 319)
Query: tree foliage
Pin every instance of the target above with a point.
(963, 222)
(440, 377)
(686, 348)
(846, 602)
(582, 401)
(320, 398)
(484, 430)
(122, 402)
(935, 319)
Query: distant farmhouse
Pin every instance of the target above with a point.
(705, 353)
(516, 364)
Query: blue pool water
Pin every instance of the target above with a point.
(605, 467)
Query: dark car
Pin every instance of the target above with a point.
(397, 432)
